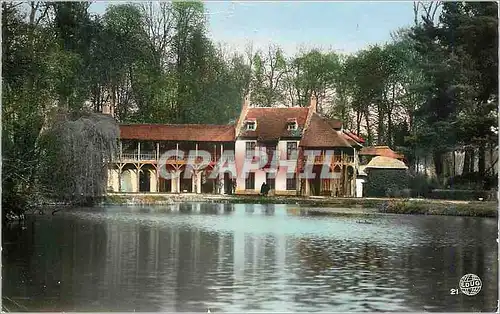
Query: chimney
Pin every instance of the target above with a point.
(108, 109)
(313, 104)
(243, 113)
(312, 109)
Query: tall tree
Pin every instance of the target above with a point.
(315, 73)
(458, 62)
(269, 69)
(27, 94)
(469, 32)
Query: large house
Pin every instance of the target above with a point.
(174, 158)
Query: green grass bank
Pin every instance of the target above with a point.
(321, 205)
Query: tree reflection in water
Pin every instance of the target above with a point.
(189, 257)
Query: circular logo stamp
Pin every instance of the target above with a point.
(470, 284)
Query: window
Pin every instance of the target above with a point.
(251, 125)
(250, 150)
(291, 183)
(292, 126)
(291, 150)
(250, 181)
(270, 180)
(270, 152)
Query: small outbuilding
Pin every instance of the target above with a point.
(386, 176)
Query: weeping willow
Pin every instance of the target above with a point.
(77, 151)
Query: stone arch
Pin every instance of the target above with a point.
(126, 181)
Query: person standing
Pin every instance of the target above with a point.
(263, 189)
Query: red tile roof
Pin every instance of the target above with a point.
(384, 151)
(336, 124)
(350, 140)
(320, 133)
(355, 137)
(178, 132)
(272, 122)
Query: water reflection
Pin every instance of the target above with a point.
(189, 257)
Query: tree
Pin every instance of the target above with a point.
(123, 41)
(458, 62)
(269, 71)
(315, 73)
(77, 148)
(27, 93)
(470, 33)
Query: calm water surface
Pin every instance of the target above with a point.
(236, 258)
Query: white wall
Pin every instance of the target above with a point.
(260, 175)
(359, 187)
(196, 182)
(152, 181)
(176, 181)
(239, 152)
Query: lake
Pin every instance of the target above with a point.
(240, 257)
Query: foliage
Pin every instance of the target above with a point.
(76, 152)
(475, 209)
(421, 185)
(461, 195)
(27, 93)
(460, 66)
(386, 181)
(473, 181)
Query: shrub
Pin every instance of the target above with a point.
(422, 186)
(435, 208)
(386, 182)
(406, 193)
(473, 181)
(388, 192)
(393, 192)
(460, 195)
(114, 199)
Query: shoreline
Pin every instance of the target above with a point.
(322, 205)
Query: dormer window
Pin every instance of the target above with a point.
(251, 125)
(292, 124)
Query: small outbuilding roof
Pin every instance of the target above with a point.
(382, 162)
(380, 151)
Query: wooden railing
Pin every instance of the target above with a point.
(349, 159)
(320, 159)
(135, 157)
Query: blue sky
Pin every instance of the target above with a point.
(343, 26)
